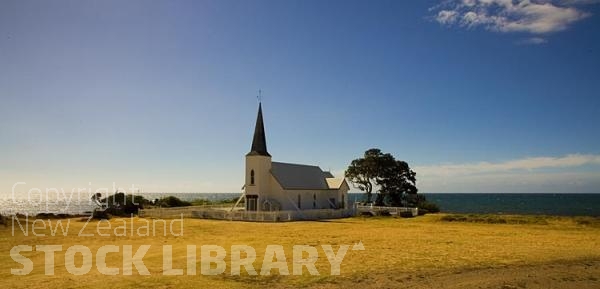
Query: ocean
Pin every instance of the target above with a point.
(527, 204)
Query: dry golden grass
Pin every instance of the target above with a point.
(393, 246)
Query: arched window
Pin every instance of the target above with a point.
(314, 200)
(299, 202)
(252, 177)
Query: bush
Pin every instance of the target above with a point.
(495, 219)
(407, 214)
(101, 215)
(172, 202)
(420, 201)
(428, 207)
(384, 213)
(196, 202)
(54, 216)
(229, 201)
(367, 214)
(203, 202)
(121, 204)
(44, 216)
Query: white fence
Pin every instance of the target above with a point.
(377, 210)
(221, 212)
(168, 213)
(272, 216)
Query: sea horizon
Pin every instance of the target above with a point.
(560, 204)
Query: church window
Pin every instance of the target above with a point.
(332, 203)
(252, 177)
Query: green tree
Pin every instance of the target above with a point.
(397, 185)
(394, 178)
(363, 172)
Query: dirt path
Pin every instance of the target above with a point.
(570, 274)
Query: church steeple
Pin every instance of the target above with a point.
(259, 142)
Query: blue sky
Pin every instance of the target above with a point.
(478, 96)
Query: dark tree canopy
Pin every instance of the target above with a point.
(363, 172)
(121, 204)
(395, 179)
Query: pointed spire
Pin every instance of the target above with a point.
(259, 142)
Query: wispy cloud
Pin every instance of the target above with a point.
(573, 160)
(579, 2)
(533, 41)
(520, 175)
(533, 17)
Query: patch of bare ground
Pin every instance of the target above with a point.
(575, 274)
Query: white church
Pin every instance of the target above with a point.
(275, 186)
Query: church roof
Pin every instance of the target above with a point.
(259, 142)
(302, 177)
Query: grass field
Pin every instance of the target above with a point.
(411, 251)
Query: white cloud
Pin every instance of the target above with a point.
(520, 175)
(573, 160)
(533, 40)
(447, 17)
(579, 2)
(538, 17)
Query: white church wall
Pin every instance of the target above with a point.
(261, 165)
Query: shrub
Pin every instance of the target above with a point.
(54, 216)
(420, 201)
(172, 202)
(384, 213)
(367, 214)
(44, 216)
(407, 214)
(101, 215)
(196, 202)
(229, 201)
(428, 207)
(202, 202)
(121, 204)
(495, 219)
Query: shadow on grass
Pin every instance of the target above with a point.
(520, 219)
(252, 279)
(280, 281)
(495, 219)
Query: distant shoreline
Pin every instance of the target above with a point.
(566, 204)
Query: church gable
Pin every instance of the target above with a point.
(335, 183)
